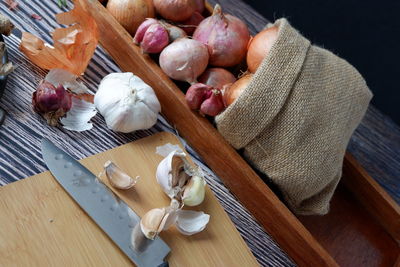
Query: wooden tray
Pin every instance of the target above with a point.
(41, 225)
(305, 248)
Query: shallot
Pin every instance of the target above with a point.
(175, 10)
(184, 60)
(196, 94)
(213, 105)
(155, 39)
(51, 102)
(200, 5)
(226, 37)
(217, 77)
(131, 13)
(137, 39)
(233, 91)
(260, 46)
(189, 25)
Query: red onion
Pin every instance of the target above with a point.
(51, 102)
(184, 60)
(194, 21)
(155, 39)
(226, 37)
(175, 10)
(217, 77)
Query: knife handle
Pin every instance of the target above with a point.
(164, 264)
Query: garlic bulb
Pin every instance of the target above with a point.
(126, 102)
(171, 174)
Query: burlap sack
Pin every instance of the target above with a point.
(296, 117)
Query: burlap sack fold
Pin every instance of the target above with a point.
(296, 117)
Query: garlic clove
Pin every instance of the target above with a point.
(118, 178)
(191, 222)
(152, 223)
(194, 191)
(171, 174)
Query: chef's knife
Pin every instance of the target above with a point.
(111, 214)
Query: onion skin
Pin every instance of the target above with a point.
(233, 91)
(175, 10)
(194, 20)
(184, 60)
(155, 39)
(217, 77)
(131, 13)
(226, 36)
(260, 46)
(196, 94)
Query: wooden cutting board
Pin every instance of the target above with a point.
(40, 224)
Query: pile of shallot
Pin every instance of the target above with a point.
(196, 47)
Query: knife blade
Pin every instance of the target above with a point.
(110, 213)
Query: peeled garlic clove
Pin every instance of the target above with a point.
(194, 191)
(171, 173)
(117, 177)
(191, 222)
(151, 222)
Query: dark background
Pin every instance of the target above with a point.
(365, 33)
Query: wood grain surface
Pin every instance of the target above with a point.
(45, 227)
(236, 174)
(351, 235)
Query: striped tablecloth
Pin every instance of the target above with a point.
(21, 133)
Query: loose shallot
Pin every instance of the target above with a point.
(226, 36)
(51, 102)
(260, 46)
(61, 98)
(137, 39)
(216, 77)
(184, 60)
(175, 10)
(232, 91)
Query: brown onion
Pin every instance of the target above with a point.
(260, 46)
(184, 60)
(217, 77)
(226, 37)
(131, 13)
(175, 10)
(232, 92)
